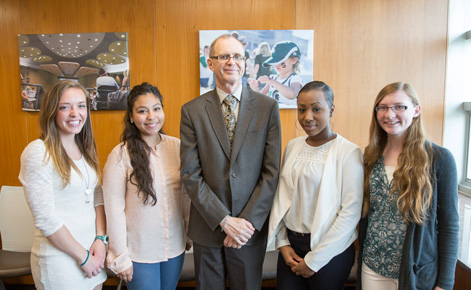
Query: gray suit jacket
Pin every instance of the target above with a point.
(221, 182)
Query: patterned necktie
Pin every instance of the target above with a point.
(229, 116)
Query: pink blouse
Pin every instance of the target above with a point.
(139, 232)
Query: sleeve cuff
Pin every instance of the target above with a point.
(310, 262)
(120, 263)
(45, 229)
(98, 195)
(282, 238)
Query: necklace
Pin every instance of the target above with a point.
(87, 183)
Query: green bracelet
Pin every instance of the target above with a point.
(88, 255)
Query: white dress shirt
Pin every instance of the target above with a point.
(222, 95)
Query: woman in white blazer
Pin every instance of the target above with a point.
(318, 200)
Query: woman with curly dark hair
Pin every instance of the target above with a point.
(145, 203)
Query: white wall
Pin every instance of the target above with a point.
(458, 80)
(457, 91)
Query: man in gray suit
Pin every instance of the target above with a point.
(230, 158)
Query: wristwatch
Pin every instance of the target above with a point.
(103, 238)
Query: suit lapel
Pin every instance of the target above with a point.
(213, 108)
(246, 110)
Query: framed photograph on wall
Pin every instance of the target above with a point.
(278, 62)
(98, 61)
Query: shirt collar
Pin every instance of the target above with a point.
(222, 94)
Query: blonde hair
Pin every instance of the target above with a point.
(296, 65)
(50, 134)
(264, 49)
(412, 177)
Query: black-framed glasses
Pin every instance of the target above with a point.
(395, 108)
(226, 57)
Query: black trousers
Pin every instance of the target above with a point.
(330, 277)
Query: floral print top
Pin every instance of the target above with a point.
(386, 226)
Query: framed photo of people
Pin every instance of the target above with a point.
(278, 62)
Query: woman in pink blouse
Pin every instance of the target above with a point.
(145, 204)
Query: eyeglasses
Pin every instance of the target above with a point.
(395, 108)
(226, 57)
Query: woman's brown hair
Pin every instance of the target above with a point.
(50, 134)
(412, 177)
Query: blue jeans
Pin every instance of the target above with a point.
(158, 276)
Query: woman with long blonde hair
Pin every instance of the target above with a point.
(61, 179)
(409, 230)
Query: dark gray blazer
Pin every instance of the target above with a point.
(219, 181)
(430, 250)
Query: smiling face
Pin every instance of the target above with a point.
(229, 73)
(314, 115)
(396, 124)
(148, 116)
(71, 112)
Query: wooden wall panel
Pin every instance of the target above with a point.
(360, 46)
(12, 120)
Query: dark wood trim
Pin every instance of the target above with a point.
(463, 266)
(462, 276)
